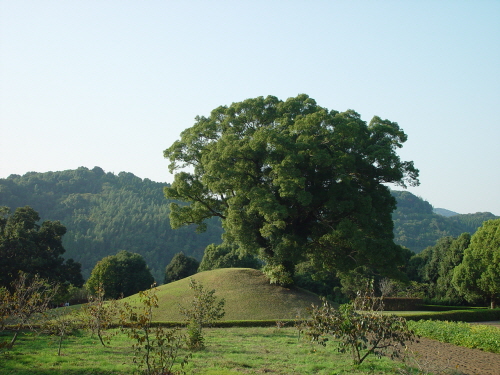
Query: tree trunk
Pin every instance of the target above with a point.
(60, 344)
(493, 303)
(13, 339)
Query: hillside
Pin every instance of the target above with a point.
(416, 226)
(247, 292)
(445, 212)
(105, 213)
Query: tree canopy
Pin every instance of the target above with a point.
(180, 266)
(222, 256)
(478, 276)
(124, 274)
(293, 181)
(34, 249)
(434, 267)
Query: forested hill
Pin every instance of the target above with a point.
(416, 226)
(105, 213)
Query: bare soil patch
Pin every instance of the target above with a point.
(438, 357)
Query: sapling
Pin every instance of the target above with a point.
(360, 332)
(156, 348)
(204, 311)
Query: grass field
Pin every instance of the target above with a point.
(244, 350)
(229, 351)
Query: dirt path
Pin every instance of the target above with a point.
(437, 357)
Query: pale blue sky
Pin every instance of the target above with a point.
(113, 83)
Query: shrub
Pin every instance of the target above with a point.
(156, 348)
(367, 331)
(98, 315)
(60, 324)
(471, 315)
(204, 310)
(30, 297)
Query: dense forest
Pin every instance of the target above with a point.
(105, 213)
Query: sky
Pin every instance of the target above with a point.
(113, 83)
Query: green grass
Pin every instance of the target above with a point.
(229, 351)
(247, 292)
(478, 336)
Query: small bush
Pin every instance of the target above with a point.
(204, 311)
(361, 333)
(156, 348)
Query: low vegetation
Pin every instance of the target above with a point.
(231, 351)
(68, 344)
(478, 336)
(204, 310)
(156, 348)
(359, 332)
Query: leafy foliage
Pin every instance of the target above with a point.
(180, 267)
(104, 213)
(435, 265)
(122, 274)
(61, 324)
(29, 297)
(459, 333)
(417, 227)
(204, 310)
(156, 348)
(361, 333)
(34, 249)
(98, 315)
(226, 256)
(291, 181)
(478, 276)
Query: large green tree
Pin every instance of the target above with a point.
(34, 249)
(478, 276)
(292, 180)
(124, 274)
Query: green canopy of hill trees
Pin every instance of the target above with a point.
(105, 213)
(417, 227)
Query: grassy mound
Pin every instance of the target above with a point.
(247, 292)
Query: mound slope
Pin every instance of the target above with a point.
(247, 292)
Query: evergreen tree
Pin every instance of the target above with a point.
(26, 246)
(180, 267)
(122, 274)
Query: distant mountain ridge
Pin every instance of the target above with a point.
(445, 212)
(417, 226)
(105, 213)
